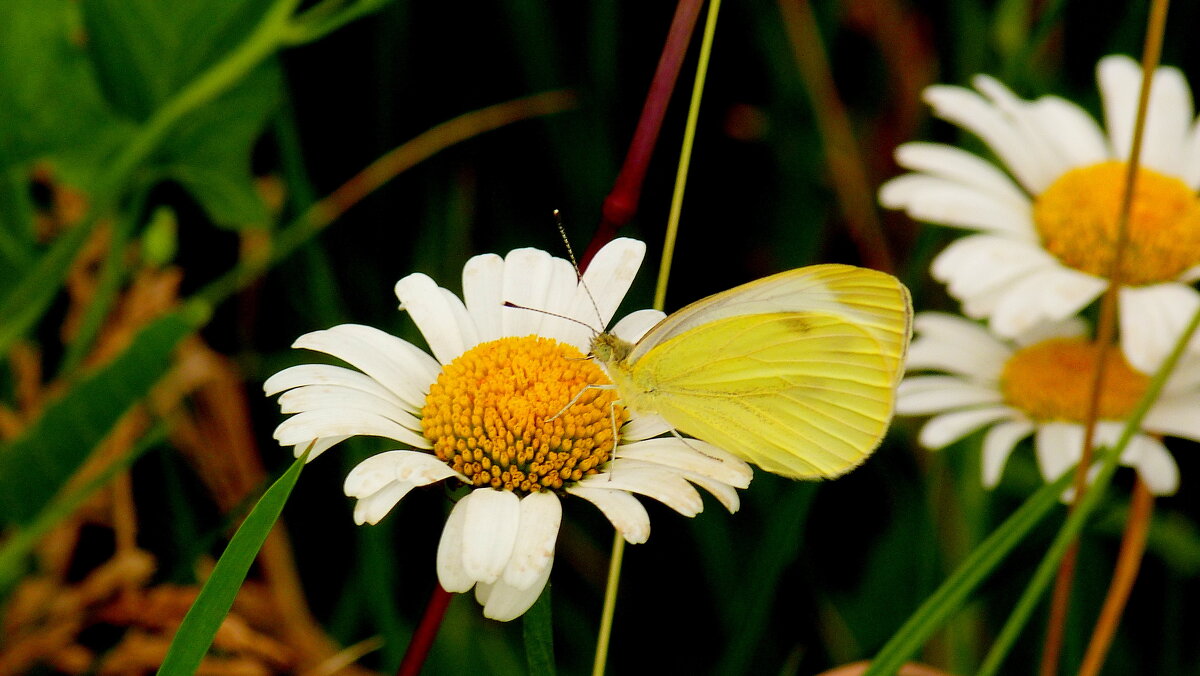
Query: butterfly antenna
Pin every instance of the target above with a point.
(547, 312)
(562, 231)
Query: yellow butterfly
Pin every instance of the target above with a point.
(795, 372)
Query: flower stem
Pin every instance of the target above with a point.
(422, 640)
(660, 293)
(1151, 54)
(610, 605)
(621, 204)
(1133, 545)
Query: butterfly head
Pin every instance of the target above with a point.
(609, 349)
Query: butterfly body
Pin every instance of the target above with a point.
(795, 372)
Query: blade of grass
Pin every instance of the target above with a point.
(200, 625)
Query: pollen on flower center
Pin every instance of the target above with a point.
(1051, 380)
(1077, 220)
(496, 415)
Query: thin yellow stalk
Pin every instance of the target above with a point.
(660, 296)
(1151, 54)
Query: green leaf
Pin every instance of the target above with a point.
(200, 625)
(209, 154)
(145, 51)
(53, 107)
(34, 466)
(539, 636)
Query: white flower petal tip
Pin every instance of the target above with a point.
(378, 471)
(452, 574)
(626, 512)
(533, 553)
(503, 602)
(489, 533)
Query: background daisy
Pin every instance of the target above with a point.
(1048, 225)
(1038, 385)
(490, 410)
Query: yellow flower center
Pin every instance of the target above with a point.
(1077, 220)
(1052, 380)
(496, 415)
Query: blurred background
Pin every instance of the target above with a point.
(806, 576)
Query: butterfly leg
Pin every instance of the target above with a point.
(675, 433)
(579, 394)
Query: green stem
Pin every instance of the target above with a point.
(32, 295)
(610, 604)
(1070, 530)
(980, 563)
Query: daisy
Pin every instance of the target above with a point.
(1047, 227)
(1039, 385)
(489, 410)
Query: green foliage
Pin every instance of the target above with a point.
(34, 466)
(200, 624)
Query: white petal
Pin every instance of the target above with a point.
(1058, 446)
(533, 551)
(664, 485)
(1191, 162)
(1154, 464)
(692, 455)
(396, 364)
(527, 276)
(950, 427)
(972, 112)
(315, 397)
(1177, 416)
(1048, 294)
(644, 426)
(998, 444)
(1120, 78)
(483, 284)
(608, 278)
(625, 512)
(922, 395)
(327, 374)
(1022, 115)
(950, 343)
(1076, 136)
(1167, 123)
(381, 469)
(1071, 327)
(560, 297)
(634, 325)
(946, 202)
(489, 533)
(439, 314)
(323, 444)
(724, 493)
(452, 574)
(980, 264)
(960, 166)
(1152, 318)
(505, 602)
(332, 422)
(372, 508)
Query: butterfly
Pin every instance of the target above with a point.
(796, 372)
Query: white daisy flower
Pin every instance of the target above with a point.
(1039, 385)
(487, 410)
(1047, 227)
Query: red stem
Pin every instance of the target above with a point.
(622, 203)
(422, 640)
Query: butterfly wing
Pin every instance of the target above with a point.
(872, 300)
(801, 394)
